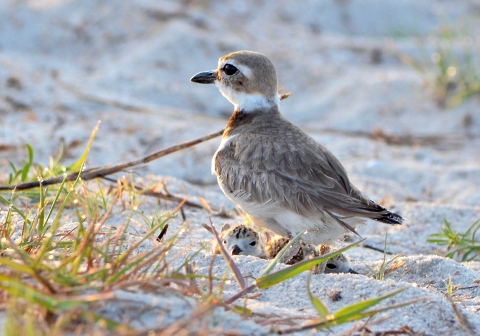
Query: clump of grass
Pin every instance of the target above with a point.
(53, 278)
(464, 246)
(50, 272)
(449, 65)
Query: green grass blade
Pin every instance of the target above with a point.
(27, 166)
(381, 272)
(355, 317)
(125, 267)
(359, 307)
(199, 276)
(149, 234)
(316, 303)
(55, 166)
(17, 210)
(77, 165)
(16, 288)
(41, 210)
(242, 310)
(57, 195)
(56, 221)
(280, 254)
(289, 272)
(15, 266)
(359, 316)
(15, 172)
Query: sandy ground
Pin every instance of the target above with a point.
(64, 65)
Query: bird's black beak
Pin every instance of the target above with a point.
(236, 250)
(352, 271)
(205, 77)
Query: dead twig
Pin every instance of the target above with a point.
(461, 318)
(162, 233)
(159, 195)
(376, 249)
(90, 174)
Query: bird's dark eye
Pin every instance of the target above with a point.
(331, 266)
(229, 69)
(253, 243)
(224, 241)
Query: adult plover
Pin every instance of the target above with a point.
(282, 178)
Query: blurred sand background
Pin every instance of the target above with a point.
(64, 65)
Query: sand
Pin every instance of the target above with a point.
(67, 64)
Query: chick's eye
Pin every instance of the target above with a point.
(224, 241)
(229, 69)
(253, 243)
(331, 266)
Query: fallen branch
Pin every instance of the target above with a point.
(92, 173)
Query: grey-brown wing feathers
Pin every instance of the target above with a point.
(301, 176)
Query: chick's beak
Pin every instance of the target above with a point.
(205, 77)
(236, 250)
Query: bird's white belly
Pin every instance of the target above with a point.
(320, 227)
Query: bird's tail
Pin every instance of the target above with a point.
(389, 218)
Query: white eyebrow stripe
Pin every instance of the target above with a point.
(246, 71)
(242, 68)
